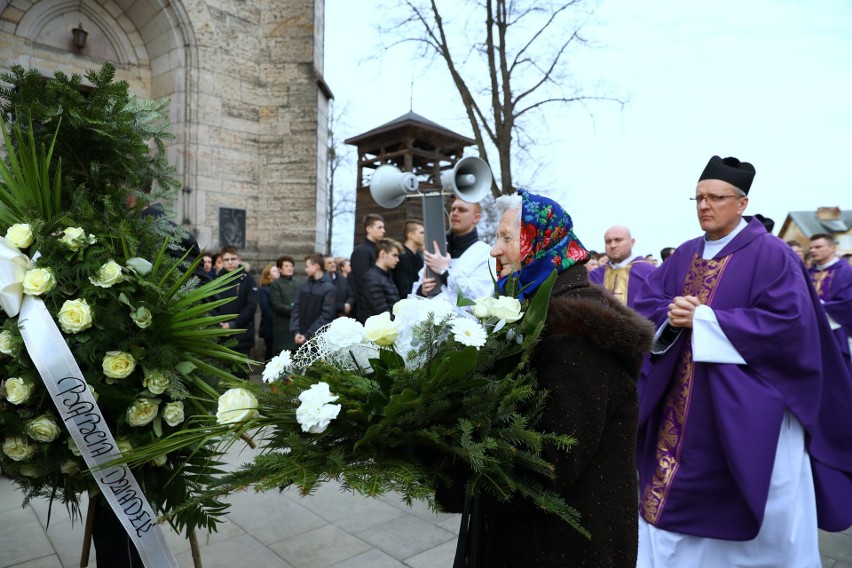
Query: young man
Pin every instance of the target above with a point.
(380, 293)
(363, 258)
(411, 259)
(244, 303)
(341, 285)
(282, 296)
(467, 267)
(315, 304)
(832, 279)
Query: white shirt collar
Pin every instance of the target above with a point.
(831, 262)
(621, 264)
(711, 248)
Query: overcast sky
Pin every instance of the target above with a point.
(767, 81)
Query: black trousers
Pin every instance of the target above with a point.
(113, 548)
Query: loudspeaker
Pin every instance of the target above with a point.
(389, 186)
(469, 180)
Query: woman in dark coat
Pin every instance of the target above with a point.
(588, 360)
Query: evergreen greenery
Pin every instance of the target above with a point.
(74, 159)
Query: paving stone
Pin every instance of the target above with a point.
(238, 551)
(438, 557)
(22, 538)
(373, 558)
(837, 546)
(51, 561)
(319, 548)
(270, 517)
(351, 512)
(406, 536)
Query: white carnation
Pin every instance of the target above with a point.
(277, 366)
(315, 413)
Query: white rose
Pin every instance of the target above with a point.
(344, 333)
(315, 413)
(108, 274)
(42, 429)
(118, 364)
(159, 460)
(73, 238)
(483, 307)
(440, 309)
(156, 381)
(6, 343)
(124, 446)
(72, 445)
(38, 281)
(69, 467)
(173, 413)
(139, 265)
(20, 235)
(507, 308)
(142, 412)
(18, 448)
(142, 317)
(18, 390)
(380, 329)
(75, 316)
(236, 405)
(277, 366)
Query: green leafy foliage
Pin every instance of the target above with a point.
(467, 416)
(73, 163)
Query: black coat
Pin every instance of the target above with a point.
(363, 258)
(341, 285)
(282, 297)
(315, 306)
(379, 292)
(407, 272)
(244, 305)
(589, 359)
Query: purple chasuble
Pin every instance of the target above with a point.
(636, 271)
(708, 431)
(834, 287)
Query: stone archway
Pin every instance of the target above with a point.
(151, 43)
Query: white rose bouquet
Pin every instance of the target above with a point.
(117, 285)
(401, 403)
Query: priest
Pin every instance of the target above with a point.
(832, 278)
(744, 442)
(623, 275)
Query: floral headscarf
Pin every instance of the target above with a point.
(547, 242)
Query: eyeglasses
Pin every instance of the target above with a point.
(711, 198)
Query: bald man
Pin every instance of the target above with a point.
(623, 274)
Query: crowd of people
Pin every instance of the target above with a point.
(721, 375)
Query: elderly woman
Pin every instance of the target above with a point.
(588, 360)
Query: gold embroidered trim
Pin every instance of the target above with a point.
(701, 281)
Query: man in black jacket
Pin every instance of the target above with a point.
(411, 260)
(380, 293)
(341, 285)
(244, 304)
(316, 302)
(363, 258)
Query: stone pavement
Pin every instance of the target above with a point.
(271, 530)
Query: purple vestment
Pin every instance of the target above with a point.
(707, 431)
(834, 287)
(638, 270)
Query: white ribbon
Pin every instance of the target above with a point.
(79, 411)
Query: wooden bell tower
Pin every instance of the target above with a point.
(412, 144)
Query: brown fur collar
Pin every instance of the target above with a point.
(578, 308)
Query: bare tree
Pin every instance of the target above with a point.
(507, 59)
(340, 201)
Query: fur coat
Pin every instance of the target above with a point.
(589, 359)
